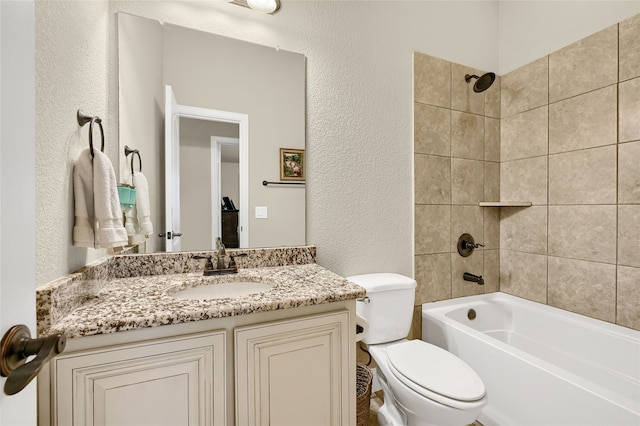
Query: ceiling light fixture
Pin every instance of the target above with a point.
(262, 6)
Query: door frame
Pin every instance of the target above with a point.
(216, 183)
(17, 190)
(172, 146)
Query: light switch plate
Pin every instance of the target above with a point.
(261, 212)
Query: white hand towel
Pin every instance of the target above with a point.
(111, 233)
(143, 209)
(83, 193)
(130, 220)
(139, 217)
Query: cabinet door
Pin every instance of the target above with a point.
(294, 372)
(164, 382)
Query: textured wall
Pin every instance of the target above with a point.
(359, 108)
(71, 74)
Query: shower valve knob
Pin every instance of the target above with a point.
(469, 245)
(466, 245)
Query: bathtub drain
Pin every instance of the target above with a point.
(471, 314)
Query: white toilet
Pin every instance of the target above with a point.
(422, 383)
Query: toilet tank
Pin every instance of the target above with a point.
(388, 305)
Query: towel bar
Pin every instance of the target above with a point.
(128, 151)
(84, 119)
(265, 183)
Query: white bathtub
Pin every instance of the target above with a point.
(542, 366)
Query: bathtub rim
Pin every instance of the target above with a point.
(574, 317)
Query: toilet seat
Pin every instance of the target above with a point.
(436, 374)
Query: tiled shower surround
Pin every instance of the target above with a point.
(562, 132)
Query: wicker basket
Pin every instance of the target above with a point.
(364, 377)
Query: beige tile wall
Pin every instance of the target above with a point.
(457, 165)
(570, 144)
(562, 132)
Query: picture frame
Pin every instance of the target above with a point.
(292, 164)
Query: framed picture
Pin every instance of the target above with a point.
(291, 164)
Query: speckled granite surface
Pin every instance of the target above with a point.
(129, 292)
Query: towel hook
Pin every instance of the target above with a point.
(128, 151)
(84, 119)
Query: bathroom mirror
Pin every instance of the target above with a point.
(209, 71)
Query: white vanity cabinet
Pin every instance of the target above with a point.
(286, 367)
(294, 372)
(162, 382)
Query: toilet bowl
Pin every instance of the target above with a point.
(428, 385)
(422, 383)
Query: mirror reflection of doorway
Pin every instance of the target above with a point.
(226, 157)
(202, 200)
(209, 172)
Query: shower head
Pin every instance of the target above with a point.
(483, 82)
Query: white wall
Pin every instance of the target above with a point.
(71, 74)
(197, 225)
(195, 192)
(269, 86)
(140, 115)
(359, 106)
(230, 182)
(532, 29)
(17, 189)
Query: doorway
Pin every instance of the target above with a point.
(193, 210)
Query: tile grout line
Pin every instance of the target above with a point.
(548, 171)
(615, 293)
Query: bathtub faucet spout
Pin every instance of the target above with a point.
(473, 278)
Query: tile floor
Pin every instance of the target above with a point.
(376, 403)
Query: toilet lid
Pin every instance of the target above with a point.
(435, 370)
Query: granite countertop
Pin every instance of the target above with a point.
(146, 301)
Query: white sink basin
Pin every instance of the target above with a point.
(222, 290)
